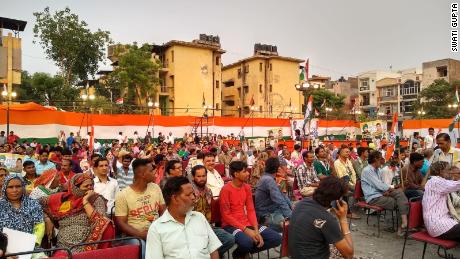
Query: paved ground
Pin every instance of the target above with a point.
(388, 245)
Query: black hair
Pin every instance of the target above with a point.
(66, 152)
(330, 189)
(3, 243)
(70, 161)
(170, 165)
(213, 150)
(42, 151)
(95, 155)
(199, 154)
(140, 162)
(297, 147)
(100, 159)
(361, 150)
(305, 153)
(27, 163)
(236, 166)
(158, 158)
(318, 149)
(430, 128)
(208, 154)
(127, 157)
(173, 186)
(373, 156)
(414, 157)
(58, 149)
(196, 168)
(271, 165)
(443, 136)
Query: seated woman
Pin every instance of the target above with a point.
(18, 211)
(438, 219)
(80, 214)
(46, 184)
(3, 174)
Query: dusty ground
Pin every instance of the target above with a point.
(388, 245)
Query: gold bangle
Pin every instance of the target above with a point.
(84, 204)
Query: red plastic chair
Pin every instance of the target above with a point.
(216, 218)
(415, 220)
(220, 168)
(284, 252)
(116, 252)
(64, 253)
(295, 190)
(359, 197)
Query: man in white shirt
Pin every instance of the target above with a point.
(214, 180)
(446, 152)
(103, 184)
(121, 139)
(170, 139)
(429, 139)
(181, 232)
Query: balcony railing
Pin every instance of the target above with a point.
(364, 88)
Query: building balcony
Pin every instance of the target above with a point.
(166, 90)
(364, 89)
(389, 99)
(164, 67)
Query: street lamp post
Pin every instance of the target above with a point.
(205, 114)
(155, 105)
(9, 97)
(86, 97)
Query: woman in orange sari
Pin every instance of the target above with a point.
(79, 214)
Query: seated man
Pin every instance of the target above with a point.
(239, 216)
(307, 180)
(105, 185)
(214, 180)
(181, 232)
(173, 168)
(412, 180)
(203, 198)
(272, 207)
(378, 193)
(322, 165)
(139, 204)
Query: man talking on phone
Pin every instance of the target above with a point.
(313, 228)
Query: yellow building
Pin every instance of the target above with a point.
(262, 85)
(190, 77)
(10, 53)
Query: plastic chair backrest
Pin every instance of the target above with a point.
(215, 211)
(118, 252)
(220, 168)
(415, 218)
(358, 195)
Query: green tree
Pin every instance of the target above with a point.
(435, 98)
(135, 77)
(46, 90)
(70, 44)
(323, 98)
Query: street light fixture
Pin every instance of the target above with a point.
(84, 97)
(421, 112)
(91, 97)
(9, 97)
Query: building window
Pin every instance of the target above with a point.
(217, 106)
(239, 72)
(217, 84)
(260, 67)
(389, 91)
(239, 91)
(271, 67)
(246, 69)
(410, 88)
(260, 108)
(271, 88)
(260, 88)
(442, 71)
(246, 89)
(388, 110)
(217, 61)
(172, 56)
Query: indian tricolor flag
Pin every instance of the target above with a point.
(119, 101)
(309, 110)
(394, 138)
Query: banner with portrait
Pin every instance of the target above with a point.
(10, 161)
(373, 129)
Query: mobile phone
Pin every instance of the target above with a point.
(334, 204)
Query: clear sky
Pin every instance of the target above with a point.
(339, 37)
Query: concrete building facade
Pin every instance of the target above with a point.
(262, 85)
(447, 69)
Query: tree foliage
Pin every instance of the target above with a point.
(136, 74)
(70, 43)
(323, 98)
(46, 90)
(435, 99)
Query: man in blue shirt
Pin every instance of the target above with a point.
(272, 207)
(378, 193)
(43, 164)
(69, 141)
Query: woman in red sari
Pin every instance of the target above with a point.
(79, 215)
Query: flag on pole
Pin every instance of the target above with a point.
(394, 138)
(302, 74)
(307, 69)
(308, 111)
(316, 113)
(119, 101)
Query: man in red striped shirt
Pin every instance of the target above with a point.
(239, 216)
